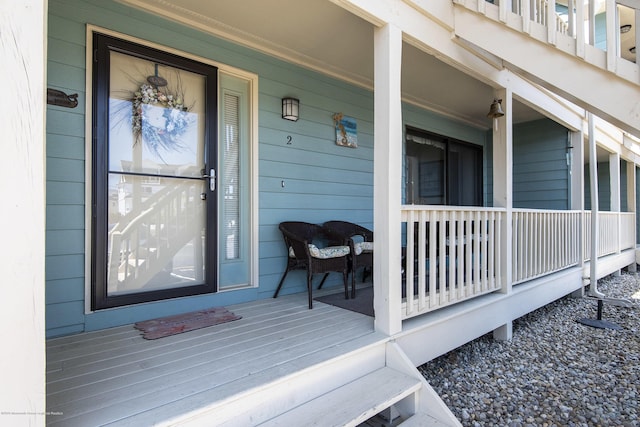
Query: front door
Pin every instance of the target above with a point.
(154, 194)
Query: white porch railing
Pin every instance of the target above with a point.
(616, 232)
(451, 254)
(544, 242)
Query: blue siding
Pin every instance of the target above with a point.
(604, 187)
(540, 170)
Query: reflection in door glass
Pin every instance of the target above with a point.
(156, 233)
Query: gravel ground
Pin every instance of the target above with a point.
(554, 372)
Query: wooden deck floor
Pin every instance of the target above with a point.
(116, 377)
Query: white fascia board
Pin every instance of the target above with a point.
(632, 146)
(438, 10)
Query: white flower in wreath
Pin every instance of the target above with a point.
(159, 119)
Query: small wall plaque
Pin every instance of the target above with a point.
(346, 130)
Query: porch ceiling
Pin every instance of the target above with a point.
(322, 36)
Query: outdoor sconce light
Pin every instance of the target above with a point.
(290, 109)
(625, 28)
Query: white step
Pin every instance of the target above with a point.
(352, 403)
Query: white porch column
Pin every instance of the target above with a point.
(614, 179)
(387, 171)
(614, 184)
(503, 197)
(503, 183)
(22, 168)
(631, 200)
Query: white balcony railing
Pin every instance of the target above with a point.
(539, 11)
(579, 20)
(451, 254)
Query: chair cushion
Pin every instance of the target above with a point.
(363, 247)
(325, 253)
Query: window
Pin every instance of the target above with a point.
(235, 182)
(441, 170)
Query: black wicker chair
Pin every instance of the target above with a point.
(304, 252)
(360, 240)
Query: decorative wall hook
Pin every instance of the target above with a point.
(58, 97)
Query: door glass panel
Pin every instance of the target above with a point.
(464, 175)
(442, 171)
(234, 155)
(156, 147)
(230, 176)
(425, 171)
(154, 127)
(156, 233)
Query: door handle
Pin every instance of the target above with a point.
(212, 179)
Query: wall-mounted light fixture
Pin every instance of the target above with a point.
(495, 110)
(625, 28)
(290, 109)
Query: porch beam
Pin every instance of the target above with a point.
(387, 167)
(22, 171)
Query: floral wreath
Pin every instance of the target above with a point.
(166, 134)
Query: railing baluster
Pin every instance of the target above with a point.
(422, 256)
(460, 256)
(452, 247)
(492, 246)
(433, 217)
(442, 258)
(483, 251)
(409, 261)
